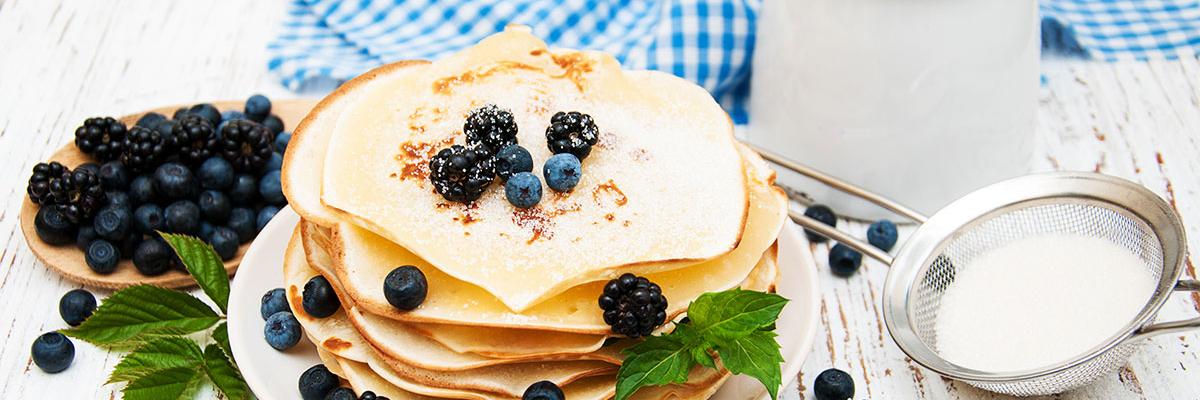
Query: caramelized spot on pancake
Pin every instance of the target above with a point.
(534, 220)
(414, 158)
(574, 65)
(609, 216)
(420, 119)
(609, 189)
(640, 155)
(335, 344)
(294, 293)
(607, 140)
(537, 52)
(446, 85)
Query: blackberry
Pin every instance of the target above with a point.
(103, 138)
(633, 306)
(39, 182)
(491, 127)
(246, 144)
(78, 194)
(193, 138)
(145, 149)
(461, 174)
(572, 132)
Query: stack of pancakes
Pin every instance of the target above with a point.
(667, 193)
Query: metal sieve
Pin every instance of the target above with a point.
(1087, 204)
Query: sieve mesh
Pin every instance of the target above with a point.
(1073, 216)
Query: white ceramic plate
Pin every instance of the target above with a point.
(274, 374)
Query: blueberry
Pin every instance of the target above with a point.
(119, 199)
(84, 236)
(275, 163)
(76, 306)
(275, 300)
(543, 390)
(319, 299)
(224, 241)
(562, 172)
(113, 223)
(820, 213)
(273, 124)
(180, 112)
(317, 382)
(207, 228)
(208, 111)
(244, 190)
(148, 218)
(843, 260)
(174, 181)
(215, 206)
(523, 190)
(281, 141)
(242, 222)
(833, 384)
(153, 257)
(342, 393)
(229, 115)
(215, 173)
(270, 189)
(369, 395)
(53, 227)
(258, 107)
(164, 128)
(282, 330)
(102, 257)
(141, 190)
(90, 167)
(511, 160)
(114, 176)
(265, 215)
(150, 120)
(53, 352)
(129, 245)
(182, 216)
(882, 234)
(405, 287)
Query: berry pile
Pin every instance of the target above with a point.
(200, 173)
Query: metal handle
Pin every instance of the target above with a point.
(1173, 326)
(842, 237)
(839, 185)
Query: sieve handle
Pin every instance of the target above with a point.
(1186, 285)
(830, 232)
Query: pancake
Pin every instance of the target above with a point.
(362, 259)
(662, 189)
(362, 379)
(335, 333)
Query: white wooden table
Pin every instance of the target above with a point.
(61, 63)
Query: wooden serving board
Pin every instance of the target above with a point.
(68, 259)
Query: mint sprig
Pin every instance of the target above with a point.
(166, 362)
(737, 325)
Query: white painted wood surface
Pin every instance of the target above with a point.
(63, 62)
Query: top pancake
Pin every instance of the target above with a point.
(662, 189)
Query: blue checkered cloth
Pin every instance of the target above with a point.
(325, 42)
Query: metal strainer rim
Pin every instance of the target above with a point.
(931, 237)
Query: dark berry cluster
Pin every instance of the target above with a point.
(490, 128)
(461, 174)
(163, 174)
(572, 132)
(633, 306)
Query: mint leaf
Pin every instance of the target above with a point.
(755, 355)
(734, 313)
(659, 360)
(167, 384)
(221, 336)
(204, 264)
(700, 354)
(143, 310)
(223, 374)
(157, 355)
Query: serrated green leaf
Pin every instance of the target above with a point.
(734, 313)
(204, 264)
(702, 357)
(157, 355)
(167, 384)
(224, 374)
(755, 355)
(143, 310)
(221, 336)
(659, 360)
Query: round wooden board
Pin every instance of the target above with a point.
(68, 259)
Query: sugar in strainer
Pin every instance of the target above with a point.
(1087, 204)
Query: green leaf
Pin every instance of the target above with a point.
(221, 336)
(659, 360)
(702, 357)
(224, 374)
(167, 384)
(205, 265)
(143, 310)
(157, 355)
(755, 355)
(734, 313)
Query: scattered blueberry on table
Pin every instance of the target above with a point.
(820, 213)
(53, 352)
(275, 300)
(882, 234)
(76, 306)
(843, 260)
(833, 384)
(341, 393)
(543, 390)
(318, 299)
(405, 287)
(200, 172)
(282, 330)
